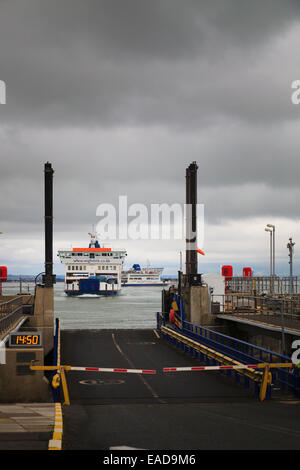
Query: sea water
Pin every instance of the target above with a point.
(133, 307)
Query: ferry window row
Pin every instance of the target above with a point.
(83, 268)
(77, 268)
(107, 267)
(94, 254)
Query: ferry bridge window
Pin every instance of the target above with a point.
(92, 255)
(80, 268)
(73, 267)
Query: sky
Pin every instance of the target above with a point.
(122, 95)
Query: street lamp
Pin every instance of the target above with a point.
(271, 247)
(273, 228)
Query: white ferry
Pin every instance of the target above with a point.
(94, 270)
(137, 276)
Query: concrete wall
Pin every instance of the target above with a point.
(196, 301)
(43, 316)
(17, 382)
(258, 336)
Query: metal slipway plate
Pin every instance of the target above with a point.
(102, 382)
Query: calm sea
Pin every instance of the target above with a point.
(134, 307)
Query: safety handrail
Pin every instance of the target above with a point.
(239, 350)
(11, 305)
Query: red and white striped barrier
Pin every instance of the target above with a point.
(106, 369)
(183, 369)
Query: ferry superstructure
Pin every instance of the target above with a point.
(137, 276)
(94, 270)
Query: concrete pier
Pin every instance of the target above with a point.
(17, 382)
(43, 315)
(196, 301)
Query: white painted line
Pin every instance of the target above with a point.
(54, 444)
(58, 429)
(147, 385)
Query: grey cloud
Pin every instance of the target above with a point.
(112, 62)
(122, 95)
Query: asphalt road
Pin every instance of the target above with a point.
(178, 410)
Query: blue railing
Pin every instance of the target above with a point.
(241, 351)
(55, 391)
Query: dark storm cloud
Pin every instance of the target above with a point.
(137, 62)
(122, 95)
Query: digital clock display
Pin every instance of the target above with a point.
(27, 339)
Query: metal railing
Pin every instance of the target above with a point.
(251, 305)
(10, 305)
(241, 351)
(265, 284)
(18, 285)
(245, 352)
(10, 311)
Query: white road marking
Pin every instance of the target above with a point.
(148, 386)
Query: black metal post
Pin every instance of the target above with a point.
(49, 278)
(188, 223)
(191, 222)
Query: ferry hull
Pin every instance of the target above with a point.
(76, 293)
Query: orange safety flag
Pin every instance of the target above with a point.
(200, 251)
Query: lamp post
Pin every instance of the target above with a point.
(273, 229)
(271, 248)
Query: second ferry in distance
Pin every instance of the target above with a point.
(94, 270)
(137, 276)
